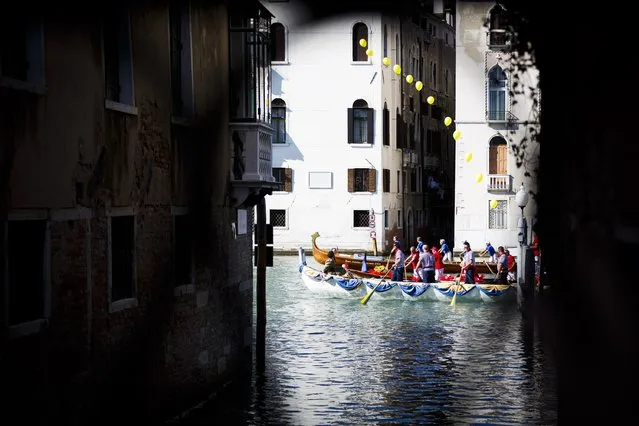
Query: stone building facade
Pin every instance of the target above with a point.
(126, 272)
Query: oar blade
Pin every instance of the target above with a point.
(452, 302)
(369, 295)
(365, 298)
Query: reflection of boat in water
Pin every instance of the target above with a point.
(355, 260)
(336, 286)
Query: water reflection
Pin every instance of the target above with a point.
(337, 362)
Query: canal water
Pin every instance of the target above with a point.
(333, 361)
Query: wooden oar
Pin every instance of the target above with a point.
(388, 260)
(488, 266)
(452, 302)
(368, 296)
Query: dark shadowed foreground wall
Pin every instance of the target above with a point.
(588, 213)
(73, 168)
(588, 224)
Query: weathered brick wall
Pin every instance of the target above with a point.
(177, 344)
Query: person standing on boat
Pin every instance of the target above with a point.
(512, 269)
(396, 245)
(492, 254)
(427, 266)
(439, 264)
(502, 266)
(445, 251)
(398, 266)
(413, 260)
(468, 264)
(420, 244)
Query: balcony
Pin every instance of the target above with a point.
(251, 157)
(498, 39)
(500, 183)
(507, 117)
(431, 162)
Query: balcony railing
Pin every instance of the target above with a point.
(500, 116)
(498, 39)
(251, 159)
(500, 183)
(431, 162)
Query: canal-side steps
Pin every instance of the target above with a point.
(336, 286)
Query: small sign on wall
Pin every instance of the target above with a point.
(242, 222)
(320, 180)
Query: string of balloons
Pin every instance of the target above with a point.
(419, 85)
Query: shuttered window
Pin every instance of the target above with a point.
(284, 176)
(498, 157)
(362, 180)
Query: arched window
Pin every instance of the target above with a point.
(497, 86)
(385, 40)
(278, 120)
(498, 36)
(278, 42)
(360, 123)
(498, 156)
(360, 31)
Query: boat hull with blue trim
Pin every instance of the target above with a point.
(332, 286)
(335, 286)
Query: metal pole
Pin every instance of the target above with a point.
(260, 337)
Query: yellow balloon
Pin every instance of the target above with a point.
(447, 121)
(456, 134)
(479, 178)
(469, 157)
(369, 52)
(409, 79)
(419, 85)
(493, 204)
(397, 69)
(386, 62)
(362, 42)
(430, 100)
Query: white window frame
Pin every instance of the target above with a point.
(506, 91)
(286, 218)
(132, 302)
(400, 219)
(286, 60)
(507, 215)
(369, 60)
(33, 326)
(359, 228)
(126, 69)
(179, 290)
(286, 113)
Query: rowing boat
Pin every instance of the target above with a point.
(355, 260)
(348, 287)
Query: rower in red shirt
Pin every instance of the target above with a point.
(439, 264)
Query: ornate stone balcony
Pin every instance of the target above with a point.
(251, 157)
